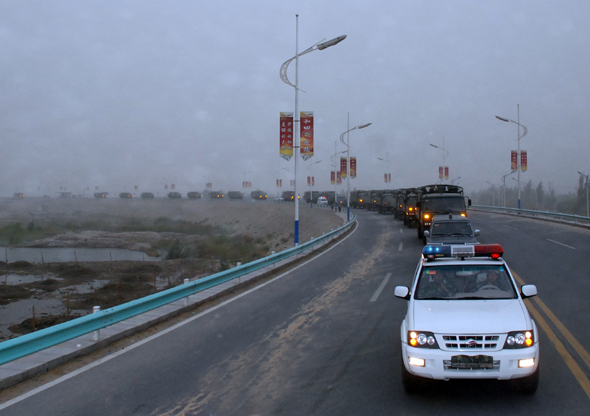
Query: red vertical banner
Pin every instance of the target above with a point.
(286, 136)
(352, 167)
(306, 142)
(343, 166)
(165, 186)
(173, 186)
(440, 172)
(136, 187)
(309, 181)
(332, 177)
(446, 172)
(513, 161)
(523, 160)
(338, 178)
(312, 181)
(385, 177)
(389, 177)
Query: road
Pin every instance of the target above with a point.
(323, 339)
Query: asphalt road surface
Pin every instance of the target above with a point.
(323, 339)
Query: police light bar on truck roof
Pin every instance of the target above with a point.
(431, 252)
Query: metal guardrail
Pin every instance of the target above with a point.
(554, 216)
(30, 343)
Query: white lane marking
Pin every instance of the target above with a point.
(401, 245)
(561, 244)
(159, 334)
(381, 287)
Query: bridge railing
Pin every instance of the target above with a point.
(554, 216)
(30, 343)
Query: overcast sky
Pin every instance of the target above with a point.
(122, 93)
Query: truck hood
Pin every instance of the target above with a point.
(469, 316)
(452, 239)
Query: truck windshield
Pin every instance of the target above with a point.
(444, 204)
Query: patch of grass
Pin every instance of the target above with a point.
(177, 251)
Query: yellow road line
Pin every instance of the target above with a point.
(567, 357)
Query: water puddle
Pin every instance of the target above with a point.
(67, 255)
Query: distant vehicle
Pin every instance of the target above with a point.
(289, 196)
(125, 195)
(258, 195)
(322, 201)
(193, 195)
(358, 199)
(235, 195)
(385, 202)
(174, 195)
(147, 195)
(438, 199)
(216, 195)
(19, 195)
(450, 229)
(101, 194)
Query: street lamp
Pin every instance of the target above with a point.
(587, 185)
(444, 151)
(504, 186)
(493, 193)
(453, 180)
(524, 132)
(362, 126)
(388, 169)
(283, 74)
(336, 167)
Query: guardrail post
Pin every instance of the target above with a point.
(238, 264)
(96, 334)
(186, 299)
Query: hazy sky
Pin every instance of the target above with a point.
(122, 93)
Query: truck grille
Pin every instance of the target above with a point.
(471, 342)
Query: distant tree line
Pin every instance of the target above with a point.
(535, 198)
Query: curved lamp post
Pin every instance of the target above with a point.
(387, 161)
(587, 185)
(524, 132)
(504, 187)
(362, 126)
(444, 151)
(283, 74)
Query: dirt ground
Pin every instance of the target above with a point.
(74, 288)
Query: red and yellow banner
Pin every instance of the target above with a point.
(343, 166)
(332, 177)
(306, 134)
(389, 177)
(440, 172)
(385, 177)
(523, 160)
(446, 172)
(312, 181)
(309, 181)
(513, 160)
(286, 140)
(338, 178)
(352, 167)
